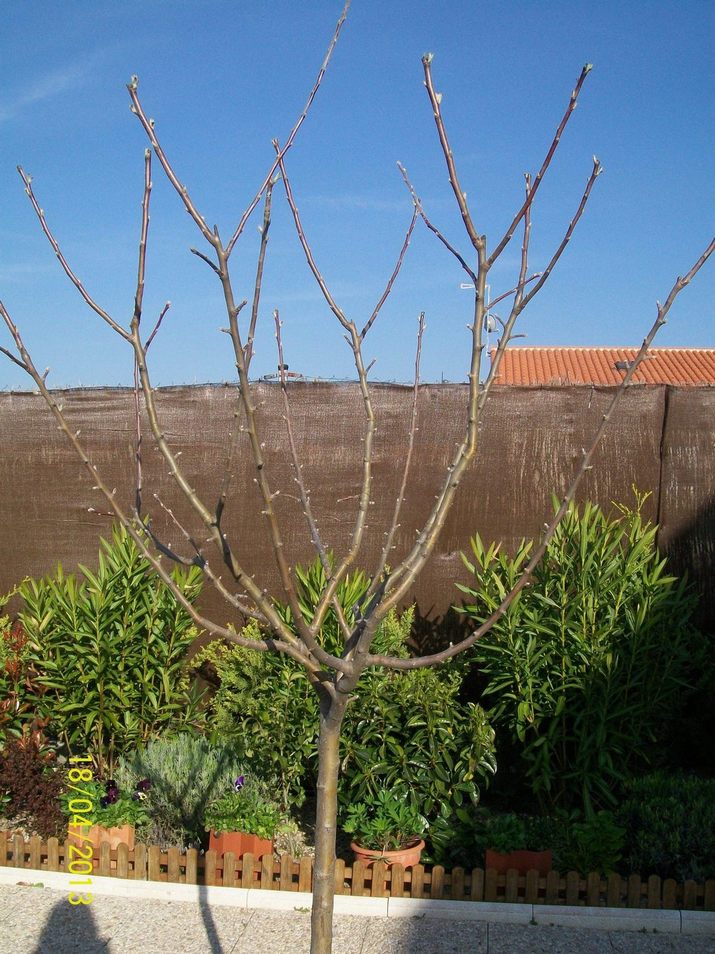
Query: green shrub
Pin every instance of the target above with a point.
(588, 667)
(186, 773)
(266, 710)
(410, 729)
(591, 844)
(670, 826)
(402, 729)
(504, 833)
(109, 651)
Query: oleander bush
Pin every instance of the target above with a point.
(589, 668)
(108, 648)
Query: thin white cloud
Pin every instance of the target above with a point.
(45, 87)
(351, 201)
(21, 272)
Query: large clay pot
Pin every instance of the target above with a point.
(407, 855)
(240, 843)
(522, 861)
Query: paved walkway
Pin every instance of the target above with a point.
(39, 920)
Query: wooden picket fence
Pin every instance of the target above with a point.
(362, 880)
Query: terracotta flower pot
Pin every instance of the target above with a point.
(408, 855)
(522, 861)
(240, 843)
(121, 835)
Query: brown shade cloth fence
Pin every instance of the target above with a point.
(363, 880)
(661, 440)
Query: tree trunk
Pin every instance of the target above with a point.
(326, 817)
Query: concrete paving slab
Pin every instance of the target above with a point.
(607, 919)
(41, 921)
(460, 910)
(425, 936)
(698, 922)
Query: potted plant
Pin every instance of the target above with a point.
(243, 820)
(388, 829)
(511, 843)
(115, 814)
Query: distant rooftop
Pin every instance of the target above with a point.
(694, 367)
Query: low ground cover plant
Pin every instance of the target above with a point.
(111, 805)
(588, 669)
(246, 807)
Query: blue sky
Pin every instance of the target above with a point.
(223, 78)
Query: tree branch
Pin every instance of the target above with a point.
(181, 189)
(461, 197)
(259, 273)
(307, 251)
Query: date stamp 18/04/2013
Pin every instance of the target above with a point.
(80, 851)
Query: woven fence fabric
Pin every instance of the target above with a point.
(530, 444)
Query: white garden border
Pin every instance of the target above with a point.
(603, 919)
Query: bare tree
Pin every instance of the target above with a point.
(335, 678)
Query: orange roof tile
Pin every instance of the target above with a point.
(563, 366)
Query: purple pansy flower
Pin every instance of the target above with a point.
(238, 784)
(144, 785)
(104, 801)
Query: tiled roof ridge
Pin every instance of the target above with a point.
(595, 348)
(574, 364)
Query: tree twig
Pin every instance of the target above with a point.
(304, 493)
(393, 276)
(544, 167)
(433, 228)
(259, 273)
(294, 131)
(394, 525)
(461, 196)
(97, 309)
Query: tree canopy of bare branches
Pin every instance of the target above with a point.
(334, 677)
